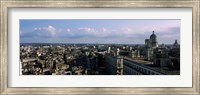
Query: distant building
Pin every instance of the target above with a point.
(174, 54)
(153, 41)
(147, 42)
(161, 57)
(176, 45)
(134, 53)
(150, 45)
(109, 49)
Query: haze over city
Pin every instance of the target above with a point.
(98, 31)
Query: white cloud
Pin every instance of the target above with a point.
(104, 29)
(51, 30)
(35, 28)
(91, 32)
(100, 32)
(127, 31)
(68, 30)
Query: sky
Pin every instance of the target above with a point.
(98, 31)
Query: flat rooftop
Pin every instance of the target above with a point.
(148, 64)
(138, 60)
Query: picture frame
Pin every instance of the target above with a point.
(6, 4)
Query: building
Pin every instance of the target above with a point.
(153, 43)
(138, 67)
(176, 45)
(127, 66)
(150, 45)
(114, 65)
(161, 57)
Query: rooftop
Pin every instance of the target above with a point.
(149, 65)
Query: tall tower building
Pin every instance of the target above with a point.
(119, 65)
(176, 43)
(150, 45)
(117, 51)
(153, 41)
(109, 48)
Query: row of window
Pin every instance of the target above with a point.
(130, 71)
(140, 68)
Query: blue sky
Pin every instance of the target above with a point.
(98, 31)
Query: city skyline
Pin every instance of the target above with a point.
(98, 31)
(97, 59)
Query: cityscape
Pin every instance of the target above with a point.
(56, 50)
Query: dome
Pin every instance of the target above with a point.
(153, 36)
(153, 40)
